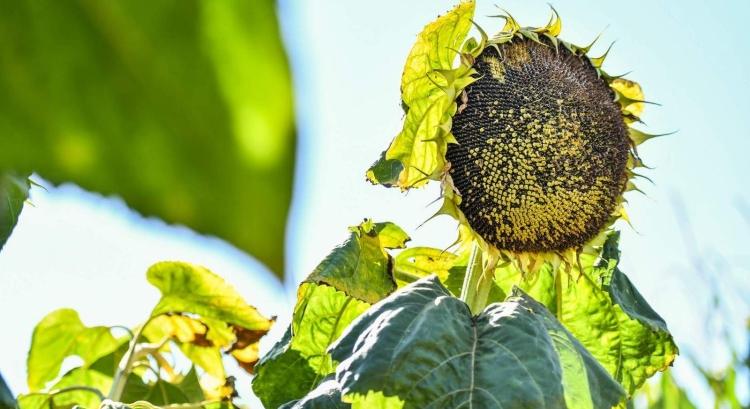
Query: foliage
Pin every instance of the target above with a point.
(376, 324)
(198, 312)
(182, 108)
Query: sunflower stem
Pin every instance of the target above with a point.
(477, 281)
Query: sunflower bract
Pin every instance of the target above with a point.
(542, 148)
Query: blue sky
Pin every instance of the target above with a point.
(80, 250)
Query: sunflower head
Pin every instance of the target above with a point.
(542, 150)
(531, 139)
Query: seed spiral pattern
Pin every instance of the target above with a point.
(542, 148)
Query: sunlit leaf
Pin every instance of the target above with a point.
(425, 349)
(361, 267)
(429, 88)
(59, 335)
(182, 108)
(14, 190)
(186, 288)
(225, 321)
(201, 340)
(418, 262)
(80, 386)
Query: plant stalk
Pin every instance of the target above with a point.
(125, 366)
(477, 281)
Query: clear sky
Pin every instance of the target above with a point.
(80, 250)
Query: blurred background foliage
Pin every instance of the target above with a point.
(183, 108)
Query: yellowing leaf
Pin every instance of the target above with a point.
(187, 288)
(429, 87)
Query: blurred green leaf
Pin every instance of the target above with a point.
(14, 190)
(424, 348)
(183, 108)
(59, 335)
(667, 394)
(7, 401)
(341, 288)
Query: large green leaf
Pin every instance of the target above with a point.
(184, 108)
(326, 396)
(59, 335)
(667, 394)
(327, 301)
(429, 87)
(421, 347)
(14, 190)
(605, 312)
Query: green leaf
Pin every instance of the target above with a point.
(341, 288)
(299, 361)
(14, 190)
(82, 387)
(326, 396)
(361, 267)
(429, 87)
(283, 375)
(59, 335)
(605, 312)
(182, 108)
(422, 347)
(7, 401)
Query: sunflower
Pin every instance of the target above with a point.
(532, 141)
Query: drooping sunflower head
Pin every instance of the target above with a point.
(532, 141)
(542, 150)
